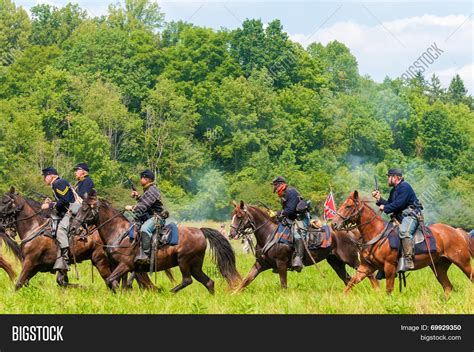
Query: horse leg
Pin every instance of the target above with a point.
(199, 275)
(373, 281)
(118, 272)
(256, 269)
(390, 275)
(27, 272)
(282, 267)
(464, 264)
(339, 267)
(102, 265)
(143, 280)
(362, 272)
(442, 267)
(186, 274)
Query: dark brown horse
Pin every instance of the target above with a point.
(452, 246)
(39, 254)
(342, 250)
(188, 254)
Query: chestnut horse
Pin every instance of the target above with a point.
(39, 253)
(342, 250)
(188, 254)
(452, 246)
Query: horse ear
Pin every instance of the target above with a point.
(242, 204)
(12, 190)
(356, 195)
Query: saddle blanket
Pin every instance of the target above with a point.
(169, 234)
(316, 239)
(420, 243)
(320, 238)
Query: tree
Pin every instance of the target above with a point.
(441, 140)
(15, 28)
(52, 26)
(84, 142)
(457, 91)
(135, 15)
(435, 90)
(339, 64)
(169, 146)
(103, 103)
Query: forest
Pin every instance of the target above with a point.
(217, 114)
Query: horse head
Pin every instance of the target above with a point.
(349, 213)
(241, 220)
(87, 213)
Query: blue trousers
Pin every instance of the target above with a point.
(408, 226)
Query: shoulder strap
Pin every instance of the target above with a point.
(76, 196)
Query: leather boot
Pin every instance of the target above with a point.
(408, 253)
(143, 257)
(297, 264)
(62, 262)
(406, 261)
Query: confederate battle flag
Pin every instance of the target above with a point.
(329, 207)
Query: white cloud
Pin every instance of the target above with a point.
(390, 47)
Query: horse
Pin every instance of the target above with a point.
(245, 217)
(4, 264)
(452, 246)
(39, 253)
(188, 254)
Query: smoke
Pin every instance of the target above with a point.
(211, 201)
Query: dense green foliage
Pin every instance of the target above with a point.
(218, 114)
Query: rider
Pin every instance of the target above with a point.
(64, 197)
(84, 184)
(148, 210)
(403, 204)
(289, 200)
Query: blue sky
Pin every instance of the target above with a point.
(386, 37)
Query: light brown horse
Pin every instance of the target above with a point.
(342, 250)
(452, 246)
(188, 254)
(39, 254)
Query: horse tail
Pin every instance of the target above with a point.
(12, 245)
(223, 256)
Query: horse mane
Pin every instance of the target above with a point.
(262, 212)
(114, 211)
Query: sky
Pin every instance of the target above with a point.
(385, 37)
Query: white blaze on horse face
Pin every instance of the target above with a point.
(233, 220)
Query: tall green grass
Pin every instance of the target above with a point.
(308, 292)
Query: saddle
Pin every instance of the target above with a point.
(421, 246)
(319, 237)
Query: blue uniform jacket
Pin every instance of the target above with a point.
(289, 201)
(63, 195)
(401, 197)
(86, 185)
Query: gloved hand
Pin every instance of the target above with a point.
(129, 207)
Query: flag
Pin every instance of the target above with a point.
(329, 207)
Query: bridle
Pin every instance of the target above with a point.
(355, 212)
(9, 220)
(242, 230)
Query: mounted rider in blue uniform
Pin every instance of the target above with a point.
(84, 184)
(404, 206)
(149, 210)
(297, 218)
(64, 197)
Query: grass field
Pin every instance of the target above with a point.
(308, 292)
